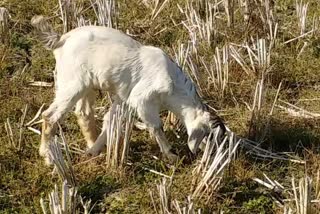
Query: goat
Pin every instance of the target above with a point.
(144, 77)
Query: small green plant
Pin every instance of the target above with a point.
(262, 204)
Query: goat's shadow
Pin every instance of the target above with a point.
(97, 188)
(146, 147)
(294, 135)
(298, 136)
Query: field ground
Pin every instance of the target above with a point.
(24, 178)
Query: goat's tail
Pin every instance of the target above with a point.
(47, 35)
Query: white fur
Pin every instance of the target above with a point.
(144, 77)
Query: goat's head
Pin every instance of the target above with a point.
(202, 126)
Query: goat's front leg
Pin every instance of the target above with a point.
(63, 102)
(149, 114)
(85, 115)
(163, 143)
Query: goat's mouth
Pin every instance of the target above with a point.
(194, 148)
(200, 138)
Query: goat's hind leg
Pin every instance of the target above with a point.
(48, 131)
(85, 115)
(98, 146)
(63, 102)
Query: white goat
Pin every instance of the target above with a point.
(143, 77)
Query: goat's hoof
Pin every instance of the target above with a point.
(48, 161)
(44, 152)
(172, 158)
(92, 152)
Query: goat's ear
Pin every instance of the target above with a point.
(217, 122)
(195, 139)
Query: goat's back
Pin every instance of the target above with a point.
(107, 58)
(94, 50)
(99, 33)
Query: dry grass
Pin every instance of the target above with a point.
(4, 24)
(254, 62)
